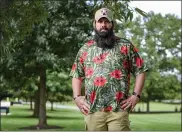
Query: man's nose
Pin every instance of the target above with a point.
(103, 24)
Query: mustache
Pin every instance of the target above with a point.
(104, 29)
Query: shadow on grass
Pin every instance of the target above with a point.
(47, 109)
(48, 117)
(41, 128)
(65, 118)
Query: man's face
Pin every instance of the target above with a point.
(104, 34)
(103, 25)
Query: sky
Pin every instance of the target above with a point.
(163, 7)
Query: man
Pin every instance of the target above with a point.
(105, 64)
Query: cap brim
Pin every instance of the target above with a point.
(103, 17)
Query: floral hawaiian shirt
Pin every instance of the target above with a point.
(106, 73)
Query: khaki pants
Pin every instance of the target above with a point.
(107, 121)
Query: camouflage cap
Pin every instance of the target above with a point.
(104, 12)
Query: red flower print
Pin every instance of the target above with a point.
(139, 61)
(100, 59)
(126, 64)
(84, 54)
(81, 60)
(109, 108)
(83, 57)
(124, 50)
(90, 42)
(92, 96)
(119, 95)
(136, 49)
(99, 81)
(73, 67)
(116, 74)
(89, 72)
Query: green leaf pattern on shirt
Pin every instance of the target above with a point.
(106, 73)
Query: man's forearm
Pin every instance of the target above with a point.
(139, 83)
(76, 86)
(78, 99)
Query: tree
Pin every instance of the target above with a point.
(58, 87)
(41, 48)
(28, 91)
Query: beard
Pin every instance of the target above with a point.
(105, 39)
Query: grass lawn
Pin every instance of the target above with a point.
(73, 120)
(157, 106)
(156, 122)
(154, 106)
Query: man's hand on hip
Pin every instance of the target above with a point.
(82, 105)
(130, 102)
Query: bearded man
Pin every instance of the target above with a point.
(105, 64)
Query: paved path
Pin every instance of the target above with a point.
(57, 105)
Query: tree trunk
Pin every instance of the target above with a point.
(31, 105)
(148, 101)
(148, 106)
(42, 106)
(36, 103)
(52, 105)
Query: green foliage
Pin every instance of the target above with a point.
(5, 90)
(141, 12)
(28, 89)
(16, 20)
(58, 87)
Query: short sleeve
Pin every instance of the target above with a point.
(137, 63)
(77, 70)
